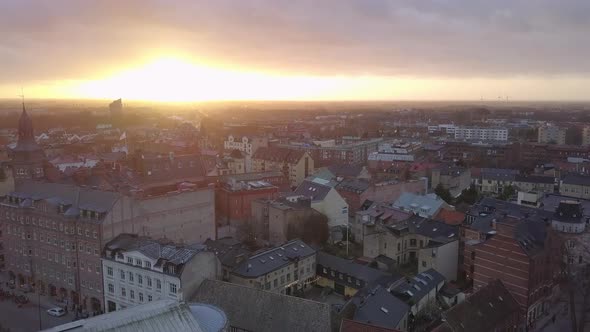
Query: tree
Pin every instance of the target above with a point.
(443, 193)
(313, 230)
(507, 193)
(469, 196)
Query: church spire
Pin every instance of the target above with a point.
(25, 126)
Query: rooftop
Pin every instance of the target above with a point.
(485, 310)
(314, 190)
(253, 309)
(416, 288)
(576, 179)
(272, 259)
(161, 315)
(381, 308)
(349, 267)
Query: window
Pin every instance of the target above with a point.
(148, 281)
(172, 288)
(275, 283)
(132, 294)
(111, 288)
(288, 277)
(123, 292)
(130, 276)
(149, 298)
(110, 271)
(138, 261)
(140, 279)
(267, 286)
(122, 275)
(147, 265)
(399, 246)
(129, 260)
(158, 284)
(140, 297)
(412, 242)
(423, 263)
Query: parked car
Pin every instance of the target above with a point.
(57, 312)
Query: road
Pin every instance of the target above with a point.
(26, 318)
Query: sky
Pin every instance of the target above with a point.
(183, 50)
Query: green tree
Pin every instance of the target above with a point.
(469, 196)
(507, 193)
(443, 193)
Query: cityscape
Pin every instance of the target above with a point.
(333, 166)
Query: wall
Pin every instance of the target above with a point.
(204, 265)
(333, 207)
(445, 262)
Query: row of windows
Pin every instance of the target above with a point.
(111, 289)
(47, 224)
(131, 278)
(173, 289)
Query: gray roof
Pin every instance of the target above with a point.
(550, 202)
(162, 315)
(57, 193)
(434, 230)
(534, 179)
(530, 223)
(500, 174)
(253, 309)
(228, 250)
(381, 308)
(316, 191)
(420, 285)
(273, 259)
(354, 185)
(486, 310)
(489, 209)
(163, 253)
(577, 179)
(428, 204)
(348, 268)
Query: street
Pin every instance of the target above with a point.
(26, 318)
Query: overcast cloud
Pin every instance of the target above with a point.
(60, 39)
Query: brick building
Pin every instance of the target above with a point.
(516, 245)
(294, 164)
(233, 203)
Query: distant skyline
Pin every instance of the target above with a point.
(185, 50)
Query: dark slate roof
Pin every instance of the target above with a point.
(56, 194)
(381, 308)
(258, 176)
(569, 211)
(535, 179)
(253, 309)
(499, 174)
(483, 311)
(420, 285)
(531, 235)
(452, 170)
(489, 209)
(577, 179)
(434, 230)
(275, 258)
(278, 154)
(162, 253)
(227, 250)
(354, 185)
(550, 202)
(349, 268)
(345, 171)
(316, 191)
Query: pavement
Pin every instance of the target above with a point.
(31, 316)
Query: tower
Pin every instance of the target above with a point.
(27, 157)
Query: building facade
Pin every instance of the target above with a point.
(138, 270)
(484, 134)
(284, 269)
(551, 135)
(247, 145)
(294, 164)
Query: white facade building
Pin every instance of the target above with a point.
(484, 134)
(247, 145)
(138, 270)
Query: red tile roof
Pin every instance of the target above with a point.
(450, 217)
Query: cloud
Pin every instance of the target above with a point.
(70, 39)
